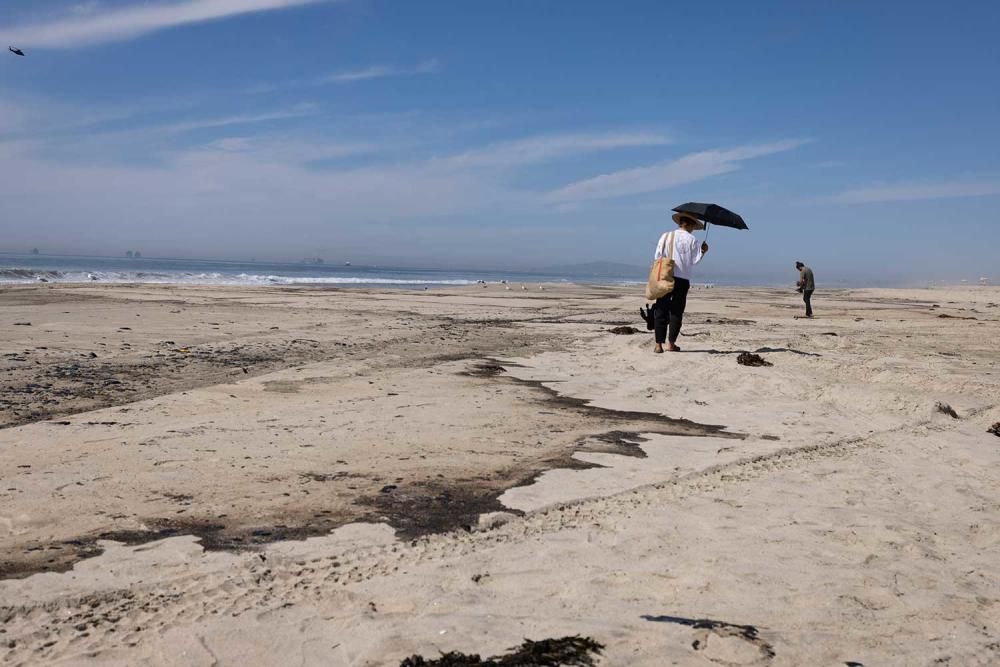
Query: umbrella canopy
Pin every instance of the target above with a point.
(714, 214)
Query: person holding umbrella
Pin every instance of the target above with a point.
(668, 311)
(677, 253)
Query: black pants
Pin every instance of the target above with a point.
(669, 311)
(807, 296)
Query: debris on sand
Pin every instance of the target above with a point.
(995, 429)
(727, 320)
(485, 369)
(706, 627)
(945, 409)
(22, 324)
(570, 651)
(624, 331)
(493, 520)
(751, 359)
(647, 316)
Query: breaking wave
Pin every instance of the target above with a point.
(26, 276)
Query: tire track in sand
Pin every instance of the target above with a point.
(85, 625)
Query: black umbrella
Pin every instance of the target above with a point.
(714, 214)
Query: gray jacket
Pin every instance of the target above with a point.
(806, 280)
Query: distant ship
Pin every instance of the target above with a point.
(347, 263)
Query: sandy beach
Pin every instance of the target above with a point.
(234, 476)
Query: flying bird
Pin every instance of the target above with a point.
(18, 52)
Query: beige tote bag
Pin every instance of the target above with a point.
(661, 275)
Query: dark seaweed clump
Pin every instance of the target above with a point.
(946, 409)
(624, 331)
(573, 651)
(751, 359)
(995, 429)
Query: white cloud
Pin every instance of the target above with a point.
(241, 119)
(349, 76)
(918, 191)
(550, 147)
(13, 118)
(199, 195)
(85, 8)
(92, 26)
(372, 72)
(687, 169)
(30, 115)
(378, 72)
(285, 150)
(246, 189)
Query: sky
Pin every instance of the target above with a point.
(860, 137)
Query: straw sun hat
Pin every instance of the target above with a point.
(687, 217)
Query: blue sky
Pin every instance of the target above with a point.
(859, 136)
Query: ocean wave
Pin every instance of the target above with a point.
(27, 276)
(350, 280)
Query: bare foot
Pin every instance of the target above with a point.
(672, 348)
(658, 349)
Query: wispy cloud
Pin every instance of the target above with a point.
(25, 116)
(93, 26)
(687, 169)
(282, 149)
(551, 147)
(241, 119)
(349, 76)
(919, 191)
(85, 8)
(378, 72)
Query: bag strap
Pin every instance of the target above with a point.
(663, 242)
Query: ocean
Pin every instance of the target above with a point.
(26, 269)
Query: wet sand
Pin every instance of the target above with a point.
(495, 465)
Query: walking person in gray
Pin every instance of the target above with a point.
(806, 285)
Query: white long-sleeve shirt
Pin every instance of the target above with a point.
(687, 252)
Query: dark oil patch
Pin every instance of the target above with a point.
(212, 535)
(78, 386)
(413, 509)
(424, 508)
(644, 422)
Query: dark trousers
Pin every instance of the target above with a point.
(668, 312)
(807, 296)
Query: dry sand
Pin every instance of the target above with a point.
(209, 476)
